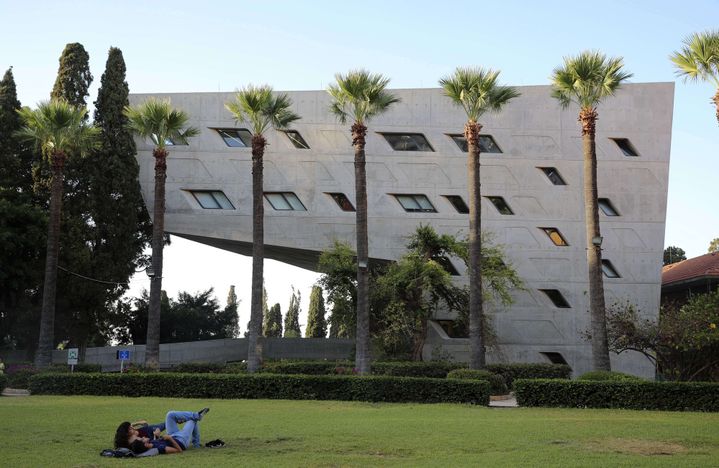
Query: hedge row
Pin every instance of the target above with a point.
(667, 396)
(497, 385)
(3, 381)
(289, 387)
(18, 375)
(512, 372)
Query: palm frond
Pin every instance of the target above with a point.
(477, 91)
(360, 95)
(587, 79)
(158, 120)
(699, 58)
(262, 109)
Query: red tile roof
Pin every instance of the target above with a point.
(697, 267)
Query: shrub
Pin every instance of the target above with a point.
(78, 368)
(18, 375)
(645, 395)
(302, 367)
(612, 376)
(511, 372)
(3, 381)
(236, 367)
(291, 387)
(497, 385)
(199, 368)
(431, 369)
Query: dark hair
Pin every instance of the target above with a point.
(122, 435)
(138, 446)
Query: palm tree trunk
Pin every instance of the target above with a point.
(600, 346)
(43, 357)
(477, 351)
(152, 347)
(362, 340)
(254, 350)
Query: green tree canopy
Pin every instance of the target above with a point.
(73, 76)
(316, 324)
(292, 317)
(272, 326)
(698, 60)
(714, 245)
(673, 254)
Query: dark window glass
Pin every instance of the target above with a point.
(555, 358)
(556, 297)
(342, 201)
(453, 329)
(284, 201)
(212, 199)
(486, 144)
(414, 203)
(501, 205)
(607, 207)
(447, 265)
(297, 139)
(553, 175)
(555, 236)
(458, 203)
(236, 137)
(407, 141)
(626, 146)
(609, 270)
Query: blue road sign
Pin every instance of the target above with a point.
(123, 355)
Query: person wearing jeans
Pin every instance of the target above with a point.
(176, 439)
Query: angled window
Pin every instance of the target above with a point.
(553, 175)
(236, 137)
(556, 297)
(212, 199)
(284, 201)
(342, 201)
(415, 203)
(486, 143)
(607, 207)
(501, 205)
(555, 236)
(297, 139)
(168, 141)
(458, 203)
(407, 141)
(447, 265)
(626, 146)
(554, 358)
(609, 270)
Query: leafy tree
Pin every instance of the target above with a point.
(292, 317)
(23, 228)
(262, 110)
(73, 77)
(673, 254)
(699, 60)
(272, 326)
(339, 274)
(233, 330)
(360, 96)
(161, 123)
(477, 91)
(586, 80)
(684, 344)
(714, 245)
(57, 129)
(316, 325)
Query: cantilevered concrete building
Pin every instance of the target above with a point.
(416, 173)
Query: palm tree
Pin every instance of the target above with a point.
(262, 110)
(477, 91)
(360, 95)
(699, 60)
(157, 120)
(586, 80)
(58, 130)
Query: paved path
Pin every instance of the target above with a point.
(510, 402)
(15, 392)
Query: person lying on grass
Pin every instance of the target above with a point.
(174, 441)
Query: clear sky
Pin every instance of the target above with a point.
(190, 46)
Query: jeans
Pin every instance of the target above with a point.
(190, 432)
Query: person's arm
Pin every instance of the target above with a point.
(175, 446)
(141, 422)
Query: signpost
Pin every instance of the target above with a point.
(72, 354)
(123, 355)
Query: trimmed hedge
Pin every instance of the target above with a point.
(613, 376)
(431, 369)
(496, 382)
(290, 387)
(666, 396)
(512, 372)
(3, 381)
(199, 368)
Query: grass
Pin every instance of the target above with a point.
(71, 431)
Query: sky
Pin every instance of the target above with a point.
(186, 46)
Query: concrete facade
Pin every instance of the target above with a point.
(533, 133)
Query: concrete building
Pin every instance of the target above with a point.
(416, 171)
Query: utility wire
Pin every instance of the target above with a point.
(117, 283)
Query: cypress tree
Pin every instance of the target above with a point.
(73, 77)
(232, 330)
(23, 230)
(272, 326)
(316, 325)
(292, 318)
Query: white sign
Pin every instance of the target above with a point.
(72, 354)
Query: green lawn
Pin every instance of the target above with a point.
(71, 431)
